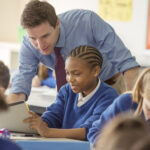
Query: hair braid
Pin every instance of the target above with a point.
(88, 53)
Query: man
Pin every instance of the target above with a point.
(47, 31)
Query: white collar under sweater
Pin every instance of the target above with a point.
(82, 100)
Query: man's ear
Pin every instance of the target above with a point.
(96, 71)
(58, 23)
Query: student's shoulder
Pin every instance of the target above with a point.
(124, 101)
(126, 95)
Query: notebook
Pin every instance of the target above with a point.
(13, 118)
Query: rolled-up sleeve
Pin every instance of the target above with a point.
(111, 45)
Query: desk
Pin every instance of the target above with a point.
(52, 144)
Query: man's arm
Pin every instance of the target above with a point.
(11, 98)
(130, 77)
(21, 81)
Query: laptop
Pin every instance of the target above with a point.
(12, 119)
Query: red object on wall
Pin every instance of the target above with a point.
(148, 28)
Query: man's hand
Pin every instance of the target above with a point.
(130, 77)
(36, 82)
(12, 98)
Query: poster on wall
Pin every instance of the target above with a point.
(116, 10)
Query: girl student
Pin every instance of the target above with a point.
(78, 103)
(138, 100)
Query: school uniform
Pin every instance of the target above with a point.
(8, 145)
(67, 113)
(121, 104)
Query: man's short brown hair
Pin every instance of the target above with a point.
(37, 12)
(4, 75)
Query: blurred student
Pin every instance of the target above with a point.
(142, 144)
(138, 101)
(78, 103)
(45, 76)
(4, 82)
(122, 132)
(4, 77)
(6, 144)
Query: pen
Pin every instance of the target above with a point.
(27, 106)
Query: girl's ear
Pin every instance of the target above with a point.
(96, 71)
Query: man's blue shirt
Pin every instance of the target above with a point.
(77, 27)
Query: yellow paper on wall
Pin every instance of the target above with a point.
(116, 10)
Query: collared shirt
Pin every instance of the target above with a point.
(77, 27)
(82, 100)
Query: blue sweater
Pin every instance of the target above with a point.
(8, 145)
(65, 113)
(121, 104)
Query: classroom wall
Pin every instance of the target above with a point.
(9, 20)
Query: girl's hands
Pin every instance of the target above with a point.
(36, 122)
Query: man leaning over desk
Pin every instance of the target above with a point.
(46, 31)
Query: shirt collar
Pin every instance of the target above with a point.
(81, 98)
(61, 41)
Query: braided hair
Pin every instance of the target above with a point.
(88, 53)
